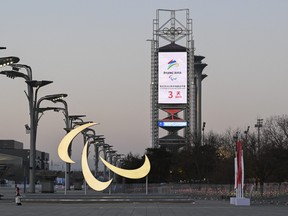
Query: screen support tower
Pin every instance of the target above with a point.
(172, 32)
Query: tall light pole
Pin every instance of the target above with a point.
(199, 76)
(84, 133)
(32, 98)
(246, 134)
(98, 140)
(71, 119)
(36, 106)
(111, 154)
(105, 148)
(33, 106)
(117, 157)
(258, 125)
(68, 126)
(236, 138)
(203, 129)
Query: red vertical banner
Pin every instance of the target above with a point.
(239, 163)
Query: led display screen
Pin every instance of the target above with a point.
(172, 124)
(172, 77)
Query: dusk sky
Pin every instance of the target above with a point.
(97, 53)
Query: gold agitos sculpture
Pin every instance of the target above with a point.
(66, 141)
(88, 176)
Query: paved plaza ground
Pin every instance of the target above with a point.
(85, 205)
(200, 208)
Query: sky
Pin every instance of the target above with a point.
(97, 53)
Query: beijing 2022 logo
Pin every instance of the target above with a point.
(172, 63)
(88, 176)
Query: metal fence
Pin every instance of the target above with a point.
(203, 190)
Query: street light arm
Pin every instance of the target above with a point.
(42, 110)
(27, 95)
(26, 67)
(66, 113)
(89, 135)
(36, 104)
(13, 74)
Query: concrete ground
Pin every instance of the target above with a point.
(200, 208)
(86, 205)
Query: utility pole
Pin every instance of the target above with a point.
(203, 129)
(246, 134)
(258, 125)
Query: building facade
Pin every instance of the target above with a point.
(12, 154)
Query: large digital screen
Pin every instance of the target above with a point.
(172, 77)
(172, 124)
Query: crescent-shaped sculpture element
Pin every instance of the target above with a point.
(132, 174)
(88, 176)
(66, 141)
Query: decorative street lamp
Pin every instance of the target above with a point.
(111, 153)
(203, 129)
(68, 124)
(76, 120)
(53, 98)
(32, 98)
(84, 133)
(117, 158)
(246, 134)
(98, 140)
(258, 125)
(105, 148)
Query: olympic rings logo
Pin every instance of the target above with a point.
(172, 31)
(88, 176)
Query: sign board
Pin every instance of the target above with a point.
(172, 77)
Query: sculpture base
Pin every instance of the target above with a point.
(238, 201)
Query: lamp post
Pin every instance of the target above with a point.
(32, 98)
(34, 119)
(258, 125)
(203, 129)
(236, 138)
(68, 125)
(111, 153)
(37, 109)
(84, 133)
(117, 157)
(246, 134)
(98, 140)
(105, 148)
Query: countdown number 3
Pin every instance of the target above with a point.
(170, 94)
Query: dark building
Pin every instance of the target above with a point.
(14, 149)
